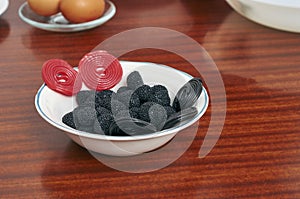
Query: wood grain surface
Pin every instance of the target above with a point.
(257, 155)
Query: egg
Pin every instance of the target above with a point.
(79, 11)
(44, 7)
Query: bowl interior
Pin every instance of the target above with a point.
(52, 105)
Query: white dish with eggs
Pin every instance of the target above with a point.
(278, 14)
(52, 106)
(58, 23)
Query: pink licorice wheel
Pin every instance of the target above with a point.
(100, 70)
(59, 76)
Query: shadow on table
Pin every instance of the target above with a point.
(4, 30)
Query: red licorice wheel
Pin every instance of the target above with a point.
(100, 70)
(61, 77)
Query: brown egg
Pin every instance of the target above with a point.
(44, 7)
(78, 11)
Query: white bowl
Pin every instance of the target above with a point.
(58, 23)
(278, 14)
(52, 106)
(3, 6)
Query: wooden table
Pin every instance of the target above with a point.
(256, 156)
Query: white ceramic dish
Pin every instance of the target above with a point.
(52, 106)
(278, 14)
(3, 6)
(58, 23)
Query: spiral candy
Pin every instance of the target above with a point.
(188, 94)
(100, 70)
(59, 76)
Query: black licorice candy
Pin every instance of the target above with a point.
(188, 94)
